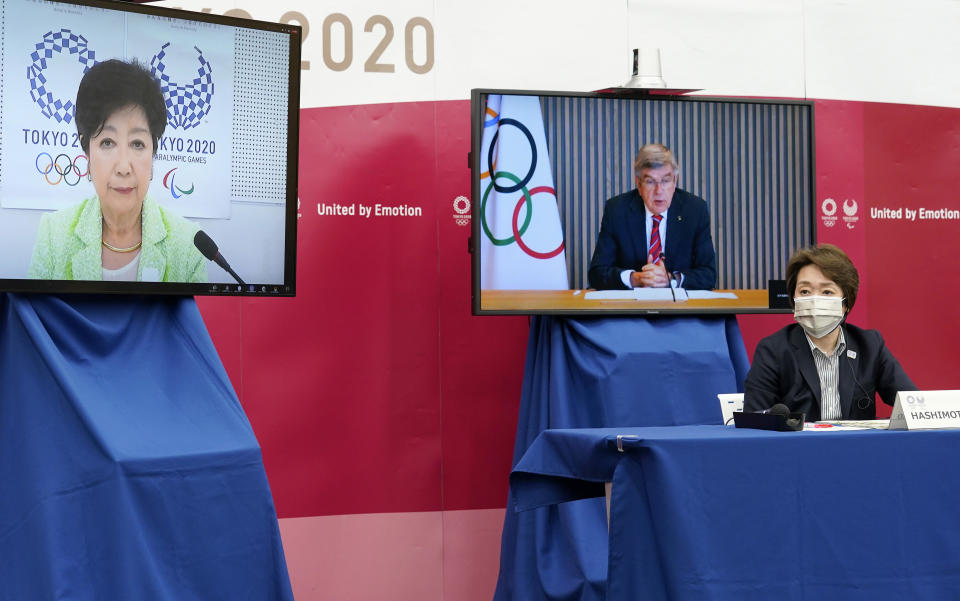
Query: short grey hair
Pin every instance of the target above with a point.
(654, 156)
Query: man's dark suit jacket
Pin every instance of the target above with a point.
(622, 243)
(783, 371)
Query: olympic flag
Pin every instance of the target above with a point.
(521, 244)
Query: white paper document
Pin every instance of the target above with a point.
(709, 295)
(641, 294)
(849, 424)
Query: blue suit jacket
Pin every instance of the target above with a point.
(783, 371)
(622, 243)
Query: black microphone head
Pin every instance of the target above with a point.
(779, 409)
(206, 245)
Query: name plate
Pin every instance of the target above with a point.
(926, 410)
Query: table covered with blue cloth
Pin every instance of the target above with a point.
(718, 513)
(604, 372)
(128, 469)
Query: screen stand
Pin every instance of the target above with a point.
(129, 469)
(604, 373)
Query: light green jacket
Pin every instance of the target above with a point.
(68, 245)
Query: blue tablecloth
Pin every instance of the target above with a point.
(128, 468)
(712, 512)
(601, 372)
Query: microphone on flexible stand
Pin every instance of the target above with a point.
(778, 418)
(663, 261)
(208, 248)
(778, 409)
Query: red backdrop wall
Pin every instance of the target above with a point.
(375, 390)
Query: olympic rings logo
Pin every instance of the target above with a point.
(519, 184)
(65, 168)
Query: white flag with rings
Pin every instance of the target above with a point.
(521, 240)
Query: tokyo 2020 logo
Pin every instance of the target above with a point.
(56, 43)
(187, 102)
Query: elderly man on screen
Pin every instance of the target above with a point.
(655, 235)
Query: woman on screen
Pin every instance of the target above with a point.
(822, 366)
(119, 234)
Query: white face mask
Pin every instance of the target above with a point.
(818, 315)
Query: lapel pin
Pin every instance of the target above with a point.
(852, 354)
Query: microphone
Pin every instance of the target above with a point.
(208, 248)
(778, 418)
(663, 261)
(792, 421)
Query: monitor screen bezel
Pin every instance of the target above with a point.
(288, 287)
(477, 117)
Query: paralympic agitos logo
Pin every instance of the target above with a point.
(187, 103)
(63, 168)
(175, 191)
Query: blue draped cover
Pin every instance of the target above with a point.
(128, 467)
(595, 373)
(714, 513)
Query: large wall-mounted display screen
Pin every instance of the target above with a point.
(146, 150)
(562, 219)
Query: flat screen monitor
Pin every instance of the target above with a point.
(191, 188)
(563, 224)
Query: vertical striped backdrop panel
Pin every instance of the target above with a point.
(752, 162)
